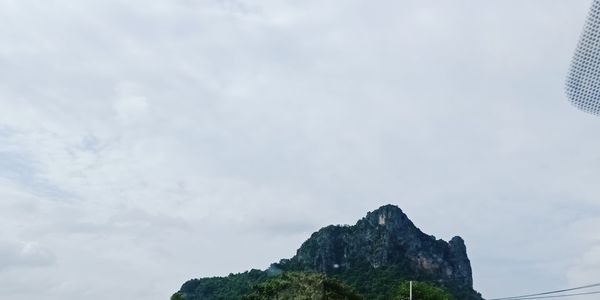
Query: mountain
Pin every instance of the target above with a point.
(374, 256)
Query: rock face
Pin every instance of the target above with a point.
(386, 238)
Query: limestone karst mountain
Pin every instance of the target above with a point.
(374, 257)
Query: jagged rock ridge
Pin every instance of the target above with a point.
(385, 238)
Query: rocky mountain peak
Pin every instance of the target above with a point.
(374, 256)
(392, 219)
(386, 238)
(388, 215)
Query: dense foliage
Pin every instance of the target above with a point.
(302, 286)
(177, 296)
(421, 291)
(375, 284)
(380, 283)
(233, 286)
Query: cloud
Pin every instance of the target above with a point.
(587, 243)
(129, 104)
(587, 267)
(25, 254)
(131, 107)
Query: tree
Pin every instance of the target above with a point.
(177, 296)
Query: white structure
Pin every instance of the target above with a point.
(583, 81)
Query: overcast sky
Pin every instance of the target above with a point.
(144, 143)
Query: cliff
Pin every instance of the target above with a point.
(386, 239)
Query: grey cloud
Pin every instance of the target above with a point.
(26, 254)
(189, 129)
(24, 170)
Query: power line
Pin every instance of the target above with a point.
(558, 296)
(547, 293)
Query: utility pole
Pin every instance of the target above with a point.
(410, 289)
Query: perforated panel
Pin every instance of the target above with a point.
(583, 81)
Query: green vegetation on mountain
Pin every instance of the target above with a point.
(313, 286)
(231, 287)
(296, 285)
(421, 291)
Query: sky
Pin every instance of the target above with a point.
(145, 143)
